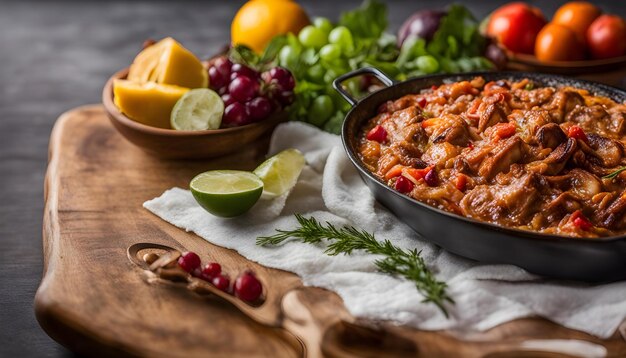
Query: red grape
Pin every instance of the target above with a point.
(285, 97)
(259, 108)
(228, 99)
(243, 88)
(217, 79)
(243, 70)
(223, 65)
(281, 76)
(235, 115)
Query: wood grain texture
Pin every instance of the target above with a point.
(95, 301)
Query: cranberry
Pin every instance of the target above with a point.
(377, 134)
(431, 178)
(404, 185)
(197, 272)
(189, 261)
(212, 269)
(248, 287)
(222, 282)
(243, 88)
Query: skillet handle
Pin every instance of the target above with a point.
(386, 80)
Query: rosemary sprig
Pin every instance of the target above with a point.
(614, 174)
(406, 263)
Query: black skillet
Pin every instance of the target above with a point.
(585, 259)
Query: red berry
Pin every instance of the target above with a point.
(235, 115)
(243, 88)
(431, 178)
(248, 287)
(404, 185)
(197, 272)
(212, 269)
(222, 282)
(377, 134)
(189, 261)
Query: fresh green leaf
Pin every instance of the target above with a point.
(368, 21)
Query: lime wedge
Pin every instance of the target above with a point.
(226, 193)
(280, 172)
(198, 109)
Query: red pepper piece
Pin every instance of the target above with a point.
(580, 221)
(461, 182)
(404, 185)
(377, 134)
(422, 102)
(470, 145)
(505, 130)
(433, 87)
(577, 133)
(418, 174)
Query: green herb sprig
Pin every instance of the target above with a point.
(614, 174)
(406, 263)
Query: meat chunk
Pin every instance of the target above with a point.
(502, 156)
(555, 162)
(550, 136)
(609, 151)
(564, 102)
(491, 115)
(514, 203)
(582, 184)
(592, 119)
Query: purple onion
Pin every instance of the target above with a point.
(422, 24)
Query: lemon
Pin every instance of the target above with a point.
(258, 21)
(168, 62)
(148, 103)
(198, 109)
(280, 172)
(226, 193)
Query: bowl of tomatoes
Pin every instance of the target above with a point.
(579, 38)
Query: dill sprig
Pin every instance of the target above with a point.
(406, 263)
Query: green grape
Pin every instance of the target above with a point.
(311, 36)
(427, 64)
(341, 36)
(323, 24)
(288, 57)
(316, 73)
(330, 52)
(321, 109)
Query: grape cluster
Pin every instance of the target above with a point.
(318, 54)
(250, 96)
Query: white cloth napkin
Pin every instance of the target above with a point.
(330, 189)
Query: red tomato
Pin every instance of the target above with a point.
(578, 16)
(607, 37)
(558, 43)
(516, 26)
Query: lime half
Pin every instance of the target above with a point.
(198, 109)
(226, 193)
(280, 172)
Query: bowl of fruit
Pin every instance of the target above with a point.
(172, 105)
(579, 38)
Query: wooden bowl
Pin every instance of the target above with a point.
(175, 144)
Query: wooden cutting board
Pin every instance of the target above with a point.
(97, 302)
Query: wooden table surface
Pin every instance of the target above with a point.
(56, 56)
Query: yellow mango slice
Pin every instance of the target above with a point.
(168, 62)
(148, 103)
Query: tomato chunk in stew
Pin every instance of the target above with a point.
(511, 153)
